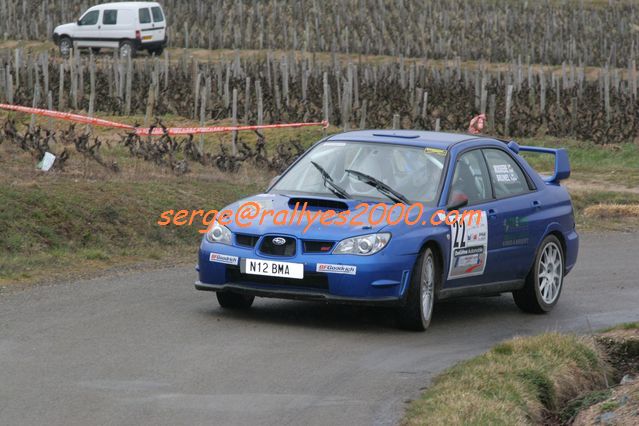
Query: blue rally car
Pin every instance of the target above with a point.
(523, 239)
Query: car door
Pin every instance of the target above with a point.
(469, 239)
(87, 32)
(511, 217)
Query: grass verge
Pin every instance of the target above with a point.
(547, 379)
(517, 382)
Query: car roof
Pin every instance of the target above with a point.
(420, 138)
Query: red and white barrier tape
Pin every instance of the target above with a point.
(66, 116)
(156, 131)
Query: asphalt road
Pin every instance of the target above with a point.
(146, 348)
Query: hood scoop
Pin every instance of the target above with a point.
(317, 204)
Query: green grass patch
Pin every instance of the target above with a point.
(615, 164)
(517, 382)
(573, 407)
(622, 326)
(56, 225)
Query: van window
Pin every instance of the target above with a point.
(157, 14)
(90, 18)
(110, 17)
(145, 16)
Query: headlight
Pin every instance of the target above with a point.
(363, 245)
(219, 234)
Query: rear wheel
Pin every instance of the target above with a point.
(234, 300)
(127, 48)
(545, 280)
(417, 312)
(65, 45)
(95, 50)
(157, 52)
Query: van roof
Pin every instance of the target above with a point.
(126, 4)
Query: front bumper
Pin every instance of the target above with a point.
(379, 279)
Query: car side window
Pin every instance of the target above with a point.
(144, 15)
(90, 18)
(110, 17)
(507, 177)
(470, 179)
(157, 14)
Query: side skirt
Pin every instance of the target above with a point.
(480, 289)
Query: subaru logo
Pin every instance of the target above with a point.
(279, 241)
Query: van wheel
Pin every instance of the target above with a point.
(65, 45)
(95, 50)
(234, 300)
(545, 280)
(127, 48)
(417, 312)
(156, 52)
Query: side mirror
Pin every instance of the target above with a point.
(79, 22)
(459, 200)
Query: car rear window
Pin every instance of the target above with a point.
(110, 17)
(157, 14)
(145, 16)
(507, 177)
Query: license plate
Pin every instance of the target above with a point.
(272, 269)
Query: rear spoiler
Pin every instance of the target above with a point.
(562, 163)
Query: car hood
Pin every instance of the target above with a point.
(289, 220)
(64, 27)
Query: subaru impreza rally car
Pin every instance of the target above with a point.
(522, 241)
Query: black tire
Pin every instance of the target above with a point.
(229, 300)
(65, 45)
(95, 50)
(127, 48)
(415, 315)
(157, 52)
(542, 289)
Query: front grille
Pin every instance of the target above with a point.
(317, 246)
(269, 247)
(311, 280)
(246, 240)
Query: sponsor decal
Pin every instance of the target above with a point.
(435, 151)
(223, 258)
(469, 247)
(336, 269)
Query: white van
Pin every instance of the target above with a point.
(127, 26)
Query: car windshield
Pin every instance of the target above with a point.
(411, 173)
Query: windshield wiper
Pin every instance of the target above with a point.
(396, 196)
(330, 183)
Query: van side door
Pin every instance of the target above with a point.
(111, 28)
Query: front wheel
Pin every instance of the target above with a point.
(234, 300)
(65, 46)
(545, 280)
(417, 312)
